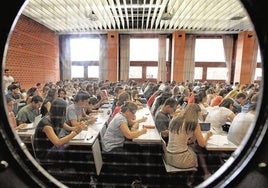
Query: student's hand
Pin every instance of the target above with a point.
(21, 126)
(209, 134)
(143, 130)
(83, 126)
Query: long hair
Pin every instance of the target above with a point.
(58, 112)
(187, 119)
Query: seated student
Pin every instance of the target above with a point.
(76, 113)
(241, 123)
(11, 115)
(135, 98)
(28, 113)
(164, 116)
(91, 108)
(122, 98)
(183, 129)
(47, 143)
(14, 92)
(220, 115)
(51, 95)
(119, 130)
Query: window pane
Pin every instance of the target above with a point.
(258, 74)
(216, 73)
(85, 49)
(151, 72)
(198, 73)
(135, 72)
(209, 50)
(77, 71)
(259, 56)
(167, 49)
(143, 49)
(93, 71)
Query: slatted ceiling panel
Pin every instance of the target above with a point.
(156, 6)
(119, 8)
(126, 13)
(136, 15)
(160, 13)
(176, 14)
(143, 15)
(107, 15)
(114, 12)
(149, 15)
(95, 8)
(185, 11)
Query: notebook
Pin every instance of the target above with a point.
(205, 126)
(34, 124)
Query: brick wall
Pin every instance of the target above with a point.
(33, 54)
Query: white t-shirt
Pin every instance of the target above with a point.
(7, 81)
(239, 127)
(217, 116)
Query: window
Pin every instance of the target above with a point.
(143, 49)
(216, 73)
(198, 73)
(85, 49)
(258, 74)
(135, 72)
(93, 71)
(209, 50)
(151, 72)
(77, 71)
(259, 56)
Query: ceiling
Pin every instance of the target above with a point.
(97, 16)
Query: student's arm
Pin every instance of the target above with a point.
(131, 134)
(70, 128)
(202, 141)
(48, 130)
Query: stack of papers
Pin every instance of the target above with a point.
(219, 140)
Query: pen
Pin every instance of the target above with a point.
(90, 138)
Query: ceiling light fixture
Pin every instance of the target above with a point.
(92, 16)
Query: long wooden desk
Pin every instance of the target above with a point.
(87, 137)
(152, 135)
(220, 143)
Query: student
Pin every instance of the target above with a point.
(164, 116)
(220, 115)
(7, 79)
(241, 123)
(76, 113)
(28, 113)
(51, 95)
(11, 115)
(119, 130)
(183, 128)
(47, 143)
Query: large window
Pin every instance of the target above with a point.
(77, 71)
(135, 72)
(209, 50)
(143, 49)
(85, 49)
(93, 71)
(198, 73)
(151, 72)
(216, 73)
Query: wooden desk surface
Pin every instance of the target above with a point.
(220, 143)
(152, 135)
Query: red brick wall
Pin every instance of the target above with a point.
(33, 54)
